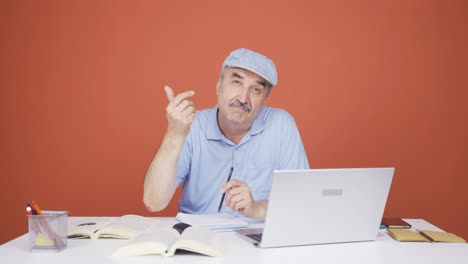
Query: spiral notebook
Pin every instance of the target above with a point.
(214, 222)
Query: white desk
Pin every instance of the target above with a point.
(239, 251)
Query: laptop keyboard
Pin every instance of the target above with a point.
(256, 237)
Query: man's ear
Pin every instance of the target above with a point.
(269, 91)
(218, 86)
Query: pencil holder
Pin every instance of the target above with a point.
(48, 232)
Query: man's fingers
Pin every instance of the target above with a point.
(232, 184)
(233, 199)
(234, 191)
(184, 105)
(240, 205)
(179, 105)
(189, 111)
(177, 98)
(169, 93)
(238, 202)
(181, 97)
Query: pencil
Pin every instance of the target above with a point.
(224, 194)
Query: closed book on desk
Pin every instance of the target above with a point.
(166, 241)
(395, 223)
(124, 227)
(406, 235)
(436, 236)
(214, 222)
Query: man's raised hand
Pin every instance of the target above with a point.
(180, 112)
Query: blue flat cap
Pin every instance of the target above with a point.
(254, 62)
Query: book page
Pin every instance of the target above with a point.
(214, 222)
(199, 240)
(127, 226)
(85, 227)
(149, 243)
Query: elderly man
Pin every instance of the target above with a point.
(225, 156)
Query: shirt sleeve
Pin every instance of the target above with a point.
(183, 164)
(293, 155)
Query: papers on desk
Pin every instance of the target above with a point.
(214, 222)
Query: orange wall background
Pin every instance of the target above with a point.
(370, 83)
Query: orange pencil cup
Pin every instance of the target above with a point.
(48, 232)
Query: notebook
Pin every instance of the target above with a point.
(214, 222)
(320, 206)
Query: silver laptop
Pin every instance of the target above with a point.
(320, 206)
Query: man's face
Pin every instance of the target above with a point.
(241, 96)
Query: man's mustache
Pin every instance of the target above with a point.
(246, 106)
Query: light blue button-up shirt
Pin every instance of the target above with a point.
(272, 143)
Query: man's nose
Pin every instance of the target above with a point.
(244, 95)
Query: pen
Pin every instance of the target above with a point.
(224, 194)
(35, 225)
(30, 210)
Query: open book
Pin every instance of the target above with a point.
(124, 227)
(214, 222)
(166, 241)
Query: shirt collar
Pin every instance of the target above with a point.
(214, 133)
(212, 130)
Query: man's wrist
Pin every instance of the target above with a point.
(174, 140)
(259, 209)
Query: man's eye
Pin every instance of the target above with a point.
(257, 90)
(236, 82)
